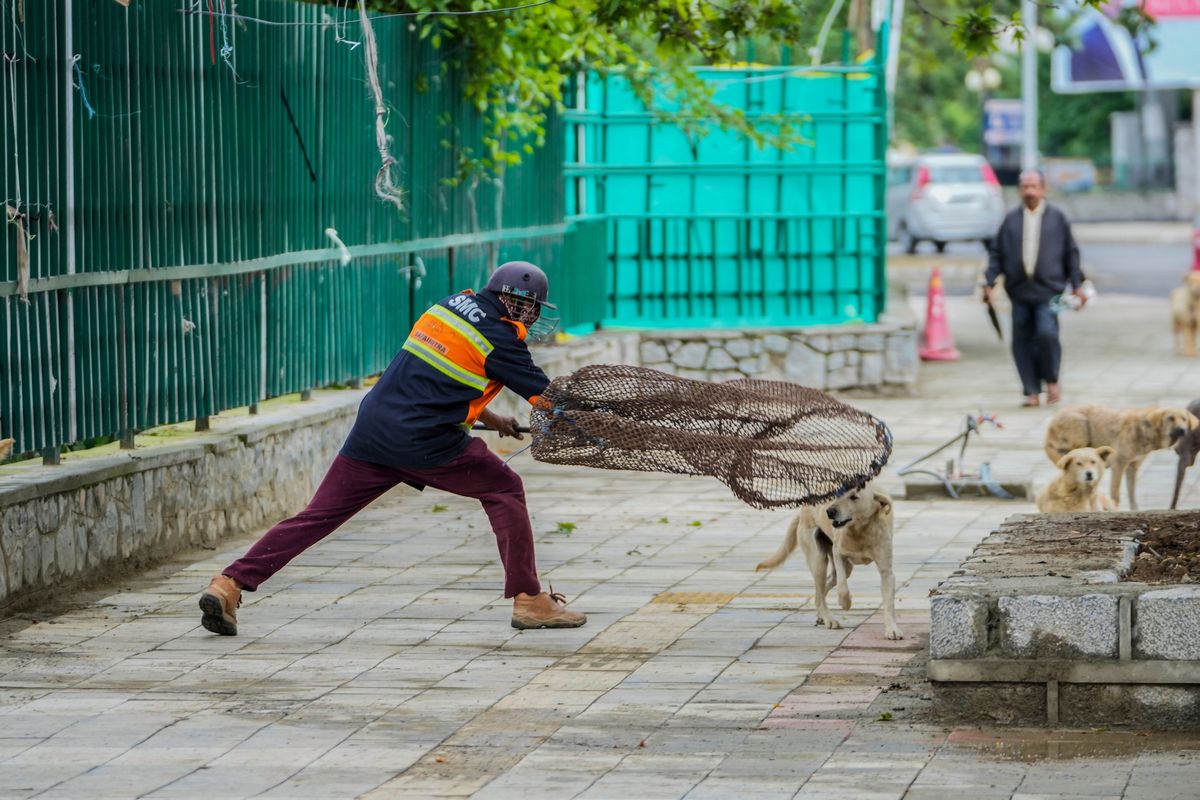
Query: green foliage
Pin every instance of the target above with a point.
(518, 62)
(565, 528)
(942, 41)
(440, 507)
(975, 31)
(1077, 125)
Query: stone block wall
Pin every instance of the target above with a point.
(96, 515)
(881, 356)
(1037, 626)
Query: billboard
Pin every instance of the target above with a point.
(1003, 122)
(1105, 57)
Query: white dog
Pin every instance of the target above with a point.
(855, 529)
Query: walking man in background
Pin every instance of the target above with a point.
(412, 428)
(1037, 255)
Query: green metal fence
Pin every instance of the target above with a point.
(170, 176)
(717, 231)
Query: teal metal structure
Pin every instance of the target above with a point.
(715, 231)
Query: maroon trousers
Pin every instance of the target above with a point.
(350, 485)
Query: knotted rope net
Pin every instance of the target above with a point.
(774, 444)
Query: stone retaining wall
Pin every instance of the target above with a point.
(1037, 627)
(881, 356)
(98, 514)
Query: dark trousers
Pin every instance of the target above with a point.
(350, 485)
(1035, 345)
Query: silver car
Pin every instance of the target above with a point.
(942, 198)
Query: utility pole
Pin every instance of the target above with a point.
(1029, 87)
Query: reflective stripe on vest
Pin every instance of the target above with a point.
(444, 365)
(464, 328)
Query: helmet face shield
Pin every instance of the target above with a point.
(544, 325)
(520, 308)
(533, 315)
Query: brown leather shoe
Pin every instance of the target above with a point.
(220, 603)
(545, 610)
(1053, 393)
(1031, 401)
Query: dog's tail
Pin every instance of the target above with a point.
(785, 549)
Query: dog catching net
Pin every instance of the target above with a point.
(774, 444)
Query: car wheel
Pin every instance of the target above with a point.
(941, 246)
(908, 241)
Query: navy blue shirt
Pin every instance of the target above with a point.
(459, 355)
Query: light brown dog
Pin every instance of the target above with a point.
(1134, 433)
(1185, 314)
(855, 529)
(6, 446)
(1077, 487)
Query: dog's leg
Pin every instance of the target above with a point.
(1190, 338)
(887, 585)
(818, 566)
(843, 579)
(1131, 472)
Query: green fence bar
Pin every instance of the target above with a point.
(170, 177)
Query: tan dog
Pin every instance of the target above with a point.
(6, 446)
(1077, 487)
(1185, 314)
(1134, 433)
(855, 529)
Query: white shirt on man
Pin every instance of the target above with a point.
(1031, 235)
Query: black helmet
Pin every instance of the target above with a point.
(522, 279)
(523, 289)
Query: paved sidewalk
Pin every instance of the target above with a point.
(381, 664)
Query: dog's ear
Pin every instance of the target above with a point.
(1192, 421)
(1106, 453)
(1065, 462)
(883, 501)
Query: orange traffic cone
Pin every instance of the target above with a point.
(938, 344)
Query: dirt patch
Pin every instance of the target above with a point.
(1060, 545)
(1168, 552)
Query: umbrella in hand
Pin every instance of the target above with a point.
(991, 312)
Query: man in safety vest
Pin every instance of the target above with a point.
(412, 428)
